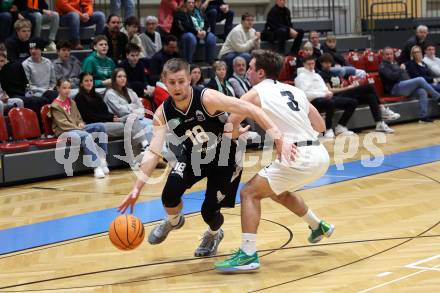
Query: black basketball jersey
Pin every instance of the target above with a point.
(195, 130)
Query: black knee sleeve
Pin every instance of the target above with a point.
(213, 218)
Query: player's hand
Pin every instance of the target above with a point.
(129, 201)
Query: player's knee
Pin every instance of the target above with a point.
(214, 219)
(170, 201)
(248, 194)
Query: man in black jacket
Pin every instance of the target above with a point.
(183, 28)
(419, 39)
(396, 82)
(169, 51)
(279, 28)
(117, 41)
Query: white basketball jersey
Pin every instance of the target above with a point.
(288, 108)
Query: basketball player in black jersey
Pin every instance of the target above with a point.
(197, 119)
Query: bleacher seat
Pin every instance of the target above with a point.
(24, 123)
(371, 61)
(46, 120)
(12, 146)
(356, 59)
(287, 70)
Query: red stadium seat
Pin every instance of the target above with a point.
(356, 59)
(148, 105)
(9, 147)
(25, 125)
(375, 79)
(356, 80)
(287, 70)
(46, 120)
(371, 61)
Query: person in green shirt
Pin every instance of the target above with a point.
(98, 64)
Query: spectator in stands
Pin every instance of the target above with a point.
(67, 66)
(216, 11)
(8, 14)
(219, 82)
(18, 44)
(196, 76)
(76, 14)
(417, 68)
(432, 61)
(116, 7)
(137, 79)
(117, 41)
(239, 82)
(150, 39)
(396, 82)
(322, 98)
(167, 8)
(98, 64)
(122, 102)
(314, 39)
(169, 51)
(131, 29)
(240, 41)
(419, 39)
(339, 66)
(39, 14)
(307, 51)
(40, 71)
(93, 109)
(5, 101)
(67, 121)
(363, 94)
(279, 28)
(13, 79)
(183, 28)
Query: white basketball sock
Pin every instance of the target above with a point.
(311, 219)
(213, 232)
(249, 243)
(174, 219)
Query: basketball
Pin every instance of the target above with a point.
(126, 232)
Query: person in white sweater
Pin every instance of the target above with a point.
(240, 41)
(432, 61)
(322, 98)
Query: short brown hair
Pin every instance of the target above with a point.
(269, 61)
(22, 23)
(175, 65)
(326, 57)
(99, 38)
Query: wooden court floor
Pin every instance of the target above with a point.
(387, 236)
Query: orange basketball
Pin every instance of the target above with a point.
(126, 232)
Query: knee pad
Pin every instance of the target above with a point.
(214, 219)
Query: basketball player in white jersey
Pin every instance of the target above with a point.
(299, 122)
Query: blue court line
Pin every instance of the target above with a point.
(68, 228)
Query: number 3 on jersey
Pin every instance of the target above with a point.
(197, 135)
(292, 104)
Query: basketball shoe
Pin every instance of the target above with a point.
(209, 244)
(324, 229)
(239, 261)
(161, 231)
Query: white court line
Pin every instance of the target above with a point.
(390, 282)
(415, 264)
(395, 280)
(383, 274)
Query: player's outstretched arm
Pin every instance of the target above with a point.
(215, 101)
(149, 161)
(316, 119)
